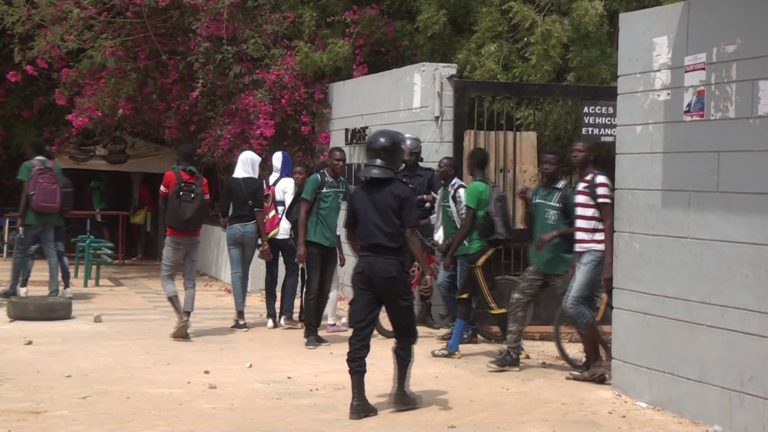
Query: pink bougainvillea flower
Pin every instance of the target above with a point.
(30, 70)
(13, 76)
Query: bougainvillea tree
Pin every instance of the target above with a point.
(226, 75)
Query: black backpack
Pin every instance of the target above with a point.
(186, 205)
(67, 195)
(496, 226)
(293, 211)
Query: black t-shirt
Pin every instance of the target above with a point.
(379, 211)
(245, 195)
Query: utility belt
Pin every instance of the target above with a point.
(400, 255)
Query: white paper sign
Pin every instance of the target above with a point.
(762, 99)
(695, 69)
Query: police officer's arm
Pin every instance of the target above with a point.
(351, 225)
(410, 220)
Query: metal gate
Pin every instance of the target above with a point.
(514, 122)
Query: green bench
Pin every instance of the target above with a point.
(92, 251)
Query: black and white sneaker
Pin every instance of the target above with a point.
(506, 362)
(239, 326)
(322, 341)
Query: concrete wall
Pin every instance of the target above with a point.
(691, 204)
(416, 99)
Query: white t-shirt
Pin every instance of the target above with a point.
(284, 191)
(589, 228)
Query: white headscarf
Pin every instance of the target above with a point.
(247, 165)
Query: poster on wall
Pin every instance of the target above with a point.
(695, 99)
(695, 103)
(695, 70)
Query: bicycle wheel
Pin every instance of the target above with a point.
(383, 326)
(567, 339)
(487, 325)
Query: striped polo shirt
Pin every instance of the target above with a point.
(589, 229)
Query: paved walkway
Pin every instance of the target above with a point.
(127, 374)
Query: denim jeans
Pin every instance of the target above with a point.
(287, 249)
(579, 301)
(58, 239)
(180, 252)
(21, 254)
(449, 281)
(242, 241)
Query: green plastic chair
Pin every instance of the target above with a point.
(92, 251)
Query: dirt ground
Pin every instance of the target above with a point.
(127, 374)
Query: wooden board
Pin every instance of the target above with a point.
(509, 171)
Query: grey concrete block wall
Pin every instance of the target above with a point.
(416, 99)
(691, 318)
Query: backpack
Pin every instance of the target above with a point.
(496, 226)
(67, 195)
(43, 188)
(271, 215)
(293, 211)
(186, 205)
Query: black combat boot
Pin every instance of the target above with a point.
(402, 399)
(360, 408)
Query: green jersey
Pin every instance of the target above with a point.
(548, 216)
(477, 199)
(323, 220)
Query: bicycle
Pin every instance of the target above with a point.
(567, 340)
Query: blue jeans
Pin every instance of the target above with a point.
(242, 241)
(449, 281)
(286, 248)
(21, 251)
(58, 239)
(579, 301)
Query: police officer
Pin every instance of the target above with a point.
(381, 222)
(425, 183)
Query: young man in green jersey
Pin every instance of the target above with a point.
(549, 214)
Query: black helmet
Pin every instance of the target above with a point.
(412, 144)
(384, 151)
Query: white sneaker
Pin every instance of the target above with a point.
(68, 293)
(23, 291)
(270, 323)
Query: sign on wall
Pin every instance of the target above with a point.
(356, 135)
(695, 99)
(598, 121)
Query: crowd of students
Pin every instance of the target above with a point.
(294, 213)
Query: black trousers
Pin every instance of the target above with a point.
(321, 263)
(380, 281)
(479, 284)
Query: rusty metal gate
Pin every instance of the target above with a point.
(514, 122)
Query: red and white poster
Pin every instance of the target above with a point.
(695, 70)
(695, 102)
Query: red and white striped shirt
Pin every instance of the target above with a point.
(589, 229)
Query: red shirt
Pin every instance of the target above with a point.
(145, 198)
(169, 179)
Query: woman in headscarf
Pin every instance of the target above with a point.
(242, 215)
(281, 180)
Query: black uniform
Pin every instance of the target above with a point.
(423, 181)
(380, 210)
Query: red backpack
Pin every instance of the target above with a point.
(271, 215)
(43, 188)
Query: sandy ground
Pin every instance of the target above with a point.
(127, 374)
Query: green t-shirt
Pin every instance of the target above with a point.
(477, 199)
(449, 225)
(30, 217)
(324, 218)
(547, 212)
